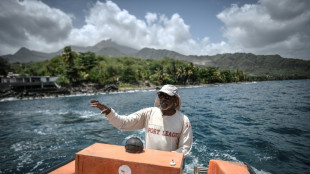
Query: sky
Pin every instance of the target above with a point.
(199, 27)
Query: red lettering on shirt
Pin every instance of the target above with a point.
(170, 134)
(153, 131)
(157, 131)
(188, 124)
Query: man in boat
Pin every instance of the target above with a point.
(166, 128)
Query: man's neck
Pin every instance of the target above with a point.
(168, 112)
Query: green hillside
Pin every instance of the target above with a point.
(272, 66)
(76, 68)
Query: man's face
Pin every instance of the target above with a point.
(166, 101)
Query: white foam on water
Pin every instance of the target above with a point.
(37, 165)
(189, 167)
(80, 114)
(16, 147)
(130, 91)
(248, 83)
(21, 146)
(39, 132)
(148, 90)
(9, 99)
(24, 159)
(44, 112)
(201, 148)
(260, 171)
(191, 86)
(215, 154)
(88, 114)
(230, 157)
(263, 157)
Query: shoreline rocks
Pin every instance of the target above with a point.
(34, 93)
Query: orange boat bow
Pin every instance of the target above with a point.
(110, 159)
(227, 167)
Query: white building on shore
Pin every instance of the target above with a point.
(16, 81)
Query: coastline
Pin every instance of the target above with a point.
(32, 94)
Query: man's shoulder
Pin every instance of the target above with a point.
(150, 109)
(182, 115)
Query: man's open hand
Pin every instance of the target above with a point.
(103, 108)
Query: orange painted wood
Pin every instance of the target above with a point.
(226, 167)
(66, 169)
(110, 159)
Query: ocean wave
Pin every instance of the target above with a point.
(130, 91)
(263, 157)
(88, 114)
(248, 83)
(37, 165)
(190, 166)
(21, 146)
(259, 171)
(224, 155)
(24, 159)
(40, 132)
(9, 99)
(287, 130)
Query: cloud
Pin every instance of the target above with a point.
(32, 24)
(38, 27)
(269, 27)
(107, 20)
(150, 18)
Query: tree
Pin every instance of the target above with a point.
(4, 66)
(226, 76)
(212, 75)
(239, 76)
(55, 66)
(128, 75)
(71, 71)
(86, 61)
(181, 74)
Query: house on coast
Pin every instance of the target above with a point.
(15, 81)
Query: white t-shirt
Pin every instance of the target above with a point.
(167, 133)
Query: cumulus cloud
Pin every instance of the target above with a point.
(107, 20)
(150, 18)
(32, 24)
(269, 27)
(36, 26)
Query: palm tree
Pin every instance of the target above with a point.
(71, 71)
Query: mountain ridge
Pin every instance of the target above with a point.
(249, 63)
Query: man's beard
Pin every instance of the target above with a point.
(165, 105)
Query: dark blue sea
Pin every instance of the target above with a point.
(265, 124)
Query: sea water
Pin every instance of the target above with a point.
(265, 124)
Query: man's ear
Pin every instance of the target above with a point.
(176, 101)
